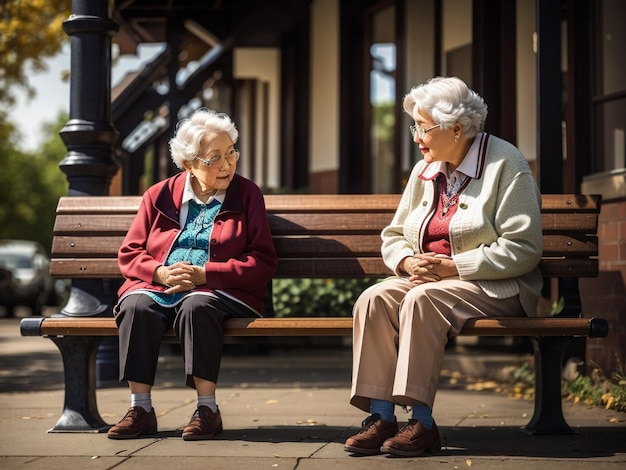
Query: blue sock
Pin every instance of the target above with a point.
(423, 414)
(384, 408)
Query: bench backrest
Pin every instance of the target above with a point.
(324, 236)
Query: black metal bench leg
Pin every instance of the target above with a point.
(80, 410)
(548, 416)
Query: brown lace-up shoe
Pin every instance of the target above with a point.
(413, 440)
(204, 424)
(371, 436)
(137, 422)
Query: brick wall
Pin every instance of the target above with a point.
(605, 296)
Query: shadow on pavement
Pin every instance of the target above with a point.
(460, 441)
(31, 372)
(478, 441)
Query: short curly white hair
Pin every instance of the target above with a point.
(190, 133)
(448, 100)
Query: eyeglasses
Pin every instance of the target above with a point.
(217, 161)
(420, 131)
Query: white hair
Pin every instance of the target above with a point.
(448, 100)
(190, 133)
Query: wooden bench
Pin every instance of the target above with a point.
(316, 236)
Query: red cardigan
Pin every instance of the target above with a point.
(243, 258)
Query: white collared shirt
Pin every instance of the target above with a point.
(189, 195)
(470, 166)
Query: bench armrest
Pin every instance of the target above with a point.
(31, 326)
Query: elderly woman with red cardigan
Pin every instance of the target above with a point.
(199, 251)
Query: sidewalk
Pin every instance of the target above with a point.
(284, 410)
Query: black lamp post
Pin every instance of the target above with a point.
(91, 140)
(89, 135)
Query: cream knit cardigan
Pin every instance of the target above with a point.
(495, 233)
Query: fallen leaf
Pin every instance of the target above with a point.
(468, 462)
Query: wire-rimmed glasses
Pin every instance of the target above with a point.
(420, 131)
(217, 161)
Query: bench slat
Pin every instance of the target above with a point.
(331, 326)
(289, 247)
(296, 203)
(339, 202)
(315, 223)
(85, 225)
(569, 222)
(280, 224)
(98, 204)
(285, 223)
(69, 246)
(567, 245)
(94, 268)
(570, 202)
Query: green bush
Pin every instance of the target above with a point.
(596, 389)
(317, 297)
(586, 389)
(593, 389)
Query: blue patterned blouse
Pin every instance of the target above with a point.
(192, 244)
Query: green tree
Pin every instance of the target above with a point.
(30, 32)
(32, 183)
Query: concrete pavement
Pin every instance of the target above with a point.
(286, 409)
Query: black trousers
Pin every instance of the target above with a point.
(198, 323)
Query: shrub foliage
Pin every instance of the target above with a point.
(317, 297)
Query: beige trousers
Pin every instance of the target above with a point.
(400, 334)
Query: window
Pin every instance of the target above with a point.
(609, 88)
(382, 99)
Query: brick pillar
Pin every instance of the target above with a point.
(605, 296)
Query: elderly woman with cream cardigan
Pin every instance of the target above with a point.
(465, 242)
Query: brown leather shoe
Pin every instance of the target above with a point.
(413, 440)
(204, 424)
(371, 436)
(137, 422)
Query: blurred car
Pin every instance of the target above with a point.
(25, 277)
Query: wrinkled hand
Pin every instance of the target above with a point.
(426, 267)
(180, 277)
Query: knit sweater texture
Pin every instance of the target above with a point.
(495, 234)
